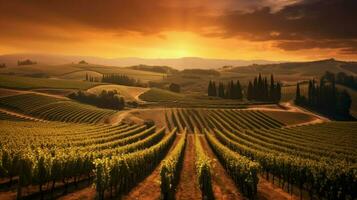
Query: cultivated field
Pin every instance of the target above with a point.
(168, 146)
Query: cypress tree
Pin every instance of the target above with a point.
(265, 91)
(255, 88)
(298, 95)
(214, 89)
(278, 92)
(272, 95)
(221, 90)
(239, 93)
(250, 91)
(232, 90)
(310, 92)
(210, 88)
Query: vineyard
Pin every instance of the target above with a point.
(54, 109)
(216, 118)
(248, 149)
(6, 116)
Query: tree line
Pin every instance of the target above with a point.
(121, 80)
(26, 62)
(325, 98)
(92, 78)
(106, 99)
(261, 90)
(230, 90)
(342, 79)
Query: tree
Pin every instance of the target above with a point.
(278, 92)
(214, 89)
(239, 93)
(210, 89)
(250, 91)
(221, 90)
(272, 88)
(298, 95)
(344, 103)
(175, 87)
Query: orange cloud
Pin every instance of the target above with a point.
(249, 29)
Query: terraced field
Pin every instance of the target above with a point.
(54, 109)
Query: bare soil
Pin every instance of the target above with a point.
(83, 194)
(187, 187)
(267, 191)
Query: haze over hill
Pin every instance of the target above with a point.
(178, 63)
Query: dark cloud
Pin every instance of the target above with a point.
(345, 46)
(320, 23)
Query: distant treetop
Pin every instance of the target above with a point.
(26, 62)
(83, 62)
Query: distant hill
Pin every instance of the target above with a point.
(313, 68)
(177, 63)
(159, 69)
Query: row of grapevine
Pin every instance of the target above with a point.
(327, 178)
(9, 117)
(26, 103)
(54, 109)
(118, 174)
(243, 171)
(170, 169)
(203, 170)
(237, 119)
(30, 152)
(271, 139)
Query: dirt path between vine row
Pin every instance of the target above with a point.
(187, 187)
(223, 186)
(267, 191)
(149, 188)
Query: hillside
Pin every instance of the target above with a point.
(178, 63)
(297, 70)
(78, 71)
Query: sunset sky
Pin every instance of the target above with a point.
(229, 29)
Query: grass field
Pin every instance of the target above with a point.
(160, 95)
(20, 82)
(130, 93)
(288, 92)
(78, 71)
